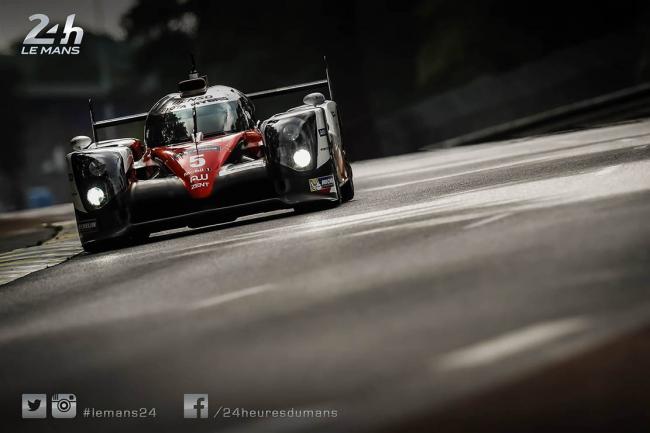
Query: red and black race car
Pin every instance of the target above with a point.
(205, 159)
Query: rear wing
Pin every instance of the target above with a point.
(312, 85)
(111, 122)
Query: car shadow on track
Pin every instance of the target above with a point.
(248, 220)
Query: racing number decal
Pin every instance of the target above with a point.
(198, 181)
(197, 160)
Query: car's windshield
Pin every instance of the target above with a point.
(177, 126)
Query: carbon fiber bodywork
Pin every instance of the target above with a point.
(162, 204)
(205, 161)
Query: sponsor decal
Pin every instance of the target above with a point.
(184, 153)
(322, 132)
(321, 183)
(214, 147)
(185, 103)
(200, 185)
(198, 170)
(52, 42)
(198, 177)
(88, 226)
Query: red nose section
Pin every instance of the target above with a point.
(198, 165)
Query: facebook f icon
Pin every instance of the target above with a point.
(195, 406)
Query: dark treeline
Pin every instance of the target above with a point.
(385, 57)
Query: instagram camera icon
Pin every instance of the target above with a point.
(64, 406)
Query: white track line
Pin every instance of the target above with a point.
(607, 170)
(557, 154)
(428, 179)
(418, 224)
(536, 194)
(511, 343)
(488, 220)
(232, 296)
(485, 153)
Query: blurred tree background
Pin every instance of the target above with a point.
(406, 73)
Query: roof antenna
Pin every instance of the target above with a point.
(193, 72)
(195, 85)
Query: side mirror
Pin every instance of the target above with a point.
(138, 149)
(80, 142)
(314, 99)
(197, 137)
(253, 136)
(253, 144)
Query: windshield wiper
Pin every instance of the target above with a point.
(195, 138)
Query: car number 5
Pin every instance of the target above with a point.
(197, 161)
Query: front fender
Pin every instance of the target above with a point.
(118, 163)
(112, 217)
(303, 128)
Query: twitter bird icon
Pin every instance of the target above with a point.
(33, 406)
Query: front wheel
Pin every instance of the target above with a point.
(347, 190)
(104, 245)
(133, 238)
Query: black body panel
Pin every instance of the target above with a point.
(162, 204)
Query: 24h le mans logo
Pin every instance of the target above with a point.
(35, 43)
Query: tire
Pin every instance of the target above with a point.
(347, 190)
(337, 185)
(137, 237)
(134, 238)
(99, 246)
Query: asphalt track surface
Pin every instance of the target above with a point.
(452, 273)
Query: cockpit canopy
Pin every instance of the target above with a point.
(221, 110)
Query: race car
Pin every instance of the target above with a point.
(205, 159)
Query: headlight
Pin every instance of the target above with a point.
(91, 167)
(99, 177)
(96, 196)
(292, 141)
(96, 168)
(291, 130)
(302, 158)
